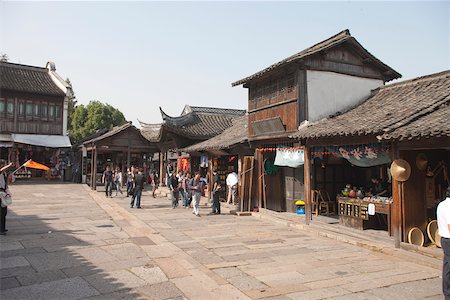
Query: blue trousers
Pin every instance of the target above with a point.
(137, 194)
(183, 197)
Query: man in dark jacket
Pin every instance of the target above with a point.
(139, 181)
(174, 189)
(108, 180)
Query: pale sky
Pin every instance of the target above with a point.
(138, 56)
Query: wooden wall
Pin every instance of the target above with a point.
(275, 97)
(287, 112)
(17, 122)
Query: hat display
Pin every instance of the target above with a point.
(421, 161)
(400, 170)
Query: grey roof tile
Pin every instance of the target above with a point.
(28, 79)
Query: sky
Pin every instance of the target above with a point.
(139, 56)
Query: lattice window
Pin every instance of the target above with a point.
(291, 83)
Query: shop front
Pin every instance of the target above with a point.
(353, 183)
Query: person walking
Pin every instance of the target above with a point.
(155, 183)
(232, 181)
(196, 187)
(5, 195)
(118, 180)
(182, 187)
(138, 186)
(169, 172)
(216, 188)
(174, 191)
(187, 189)
(443, 218)
(129, 182)
(107, 179)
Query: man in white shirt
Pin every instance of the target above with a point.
(443, 218)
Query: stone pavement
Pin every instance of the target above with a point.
(66, 242)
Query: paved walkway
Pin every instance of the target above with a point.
(65, 242)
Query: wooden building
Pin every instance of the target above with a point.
(407, 120)
(230, 152)
(33, 114)
(121, 146)
(319, 81)
(195, 124)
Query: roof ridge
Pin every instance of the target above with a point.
(339, 38)
(415, 80)
(22, 66)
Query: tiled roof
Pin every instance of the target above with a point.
(108, 133)
(416, 107)
(195, 123)
(341, 37)
(151, 131)
(236, 134)
(28, 79)
(434, 124)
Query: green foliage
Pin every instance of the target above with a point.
(86, 120)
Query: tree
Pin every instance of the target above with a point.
(86, 120)
(71, 107)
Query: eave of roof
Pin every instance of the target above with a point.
(236, 134)
(341, 37)
(113, 131)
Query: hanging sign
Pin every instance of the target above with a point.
(288, 157)
(360, 156)
(371, 209)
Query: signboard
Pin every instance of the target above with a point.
(288, 157)
(371, 209)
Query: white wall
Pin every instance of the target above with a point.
(330, 92)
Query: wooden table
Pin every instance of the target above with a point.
(354, 212)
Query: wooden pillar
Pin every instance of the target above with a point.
(396, 203)
(307, 184)
(259, 181)
(161, 167)
(92, 168)
(128, 157)
(95, 169)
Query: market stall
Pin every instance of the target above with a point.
(353, 181)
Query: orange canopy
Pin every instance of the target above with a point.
(34, 165)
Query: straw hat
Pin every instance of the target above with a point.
(400, 170)
(421, 161)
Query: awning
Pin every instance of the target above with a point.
(6, 140)
(51, 141)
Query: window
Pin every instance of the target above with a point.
(29, 109)
(21, 108)
(51, 111)
(36, 110)
(2, 105)
(44, 110)
(58, 111)
(10, 107)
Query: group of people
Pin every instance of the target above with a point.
(189, 188)
(135, 182)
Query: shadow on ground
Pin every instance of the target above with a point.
(52, 257)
